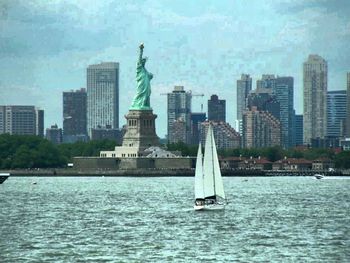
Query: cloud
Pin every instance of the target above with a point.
(339, 7)
(47, 45)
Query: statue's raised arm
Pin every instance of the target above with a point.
(141, 51)
(143, 78)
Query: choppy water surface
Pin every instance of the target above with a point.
(276, 219)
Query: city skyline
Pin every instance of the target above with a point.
(47, 47)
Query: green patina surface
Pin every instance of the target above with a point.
(141, 100)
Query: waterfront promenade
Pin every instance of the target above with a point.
(163, 172)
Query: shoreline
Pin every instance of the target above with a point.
(71, 172)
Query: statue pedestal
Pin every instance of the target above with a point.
(141, 131)
(140, 135)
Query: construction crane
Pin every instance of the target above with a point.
(190, 91)
(196, 94)
(191, 94)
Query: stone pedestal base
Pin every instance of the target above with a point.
(141, 130)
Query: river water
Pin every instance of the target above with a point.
(274, 219)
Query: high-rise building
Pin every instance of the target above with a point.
(267, 81)
(179, 131)
(196, 119)
(103, 95)
(107, 133)
(264, 100)
(244, 86)
(74, 113)
(284, 93)
(315, 98)
(326, 142)
(260, 129)
(21, 120)
(54, 134)
(179, 108)
(298, 128)
(336, 113)
(216, 109)
(225, 136)
(347, 105)
(39, 122)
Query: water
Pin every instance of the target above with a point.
(275, 219)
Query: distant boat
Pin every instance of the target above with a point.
(3, 177)
(319, 176)
(209, 188)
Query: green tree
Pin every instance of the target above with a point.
(186, 150)
(23, 158)
(47, 155)
(229, 152)
(315, 153)
(294, 153)
(342, 160)
(273, 154)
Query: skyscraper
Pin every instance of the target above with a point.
(102, 95)
(264, 100)
(54, 134)
(179, 131)
(336, 113)
(39, 122)
(225, 136)
(283, 89)
(196, 119)
(21, 120)
(107, 133)
(74, 113)
(179, 108)
(216, 109)
(244, 86)
(298, 128)
(267, 81)
(260, 129)
(315, 98)
(348, 105)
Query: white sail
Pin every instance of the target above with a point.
(198, 179)
(213, 184)
(219, 186)
(208, 167)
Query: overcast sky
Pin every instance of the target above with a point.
(46, 46)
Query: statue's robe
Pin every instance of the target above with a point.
(143, 79)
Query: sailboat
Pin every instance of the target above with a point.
(209, 188)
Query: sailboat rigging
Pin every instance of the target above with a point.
(209, 188)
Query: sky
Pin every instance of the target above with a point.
(46, 46)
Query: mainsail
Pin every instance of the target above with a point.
(219, 186)
(213, 185)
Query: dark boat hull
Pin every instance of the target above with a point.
(3, 178)
(319, 176)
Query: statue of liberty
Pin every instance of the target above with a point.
(143, 79)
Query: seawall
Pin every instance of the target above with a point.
(160, 172)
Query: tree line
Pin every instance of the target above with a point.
(18, 151)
